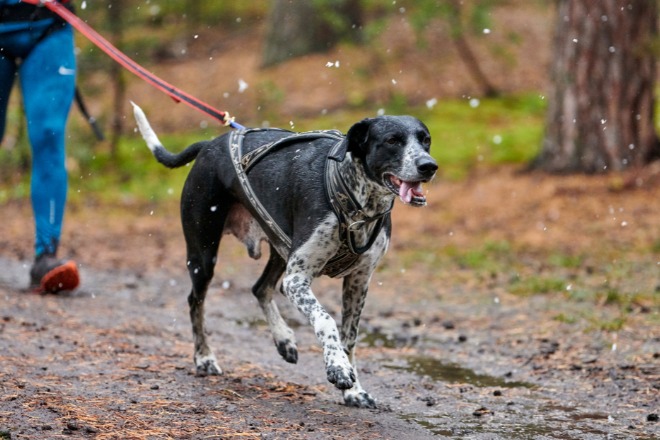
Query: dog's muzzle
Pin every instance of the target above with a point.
(411, 191)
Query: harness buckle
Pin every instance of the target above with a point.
(357, 223)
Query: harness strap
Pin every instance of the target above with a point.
(349, 211)
(251, 158)
(235, 151)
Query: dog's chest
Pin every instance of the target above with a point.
(337, 244)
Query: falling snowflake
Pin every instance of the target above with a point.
(242, 85)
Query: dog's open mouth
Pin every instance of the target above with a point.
(408, 191)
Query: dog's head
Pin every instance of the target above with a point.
(394, 151)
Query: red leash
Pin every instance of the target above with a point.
(131, 65)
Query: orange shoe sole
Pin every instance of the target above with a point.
(64, 277)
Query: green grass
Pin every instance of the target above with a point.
(492, 256)
(537, 284)
(496, 131)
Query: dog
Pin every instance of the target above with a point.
(319, 199)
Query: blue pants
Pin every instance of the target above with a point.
(46, 67)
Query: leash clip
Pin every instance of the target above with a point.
(228, 119)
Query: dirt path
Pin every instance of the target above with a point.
(444, 359)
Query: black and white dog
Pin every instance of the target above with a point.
(321, 200)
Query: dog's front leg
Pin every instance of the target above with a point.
(297, 287)
(303, 264)
(354, 294)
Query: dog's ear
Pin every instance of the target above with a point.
(355, 141)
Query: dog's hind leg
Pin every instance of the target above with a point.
(354, 294)
(263, 289)
(202, 219)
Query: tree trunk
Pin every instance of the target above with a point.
(458, 36)
(601, 108)
(115, 11)
(300, 27)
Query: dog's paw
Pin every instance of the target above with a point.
(359, 399)
(207, 366)
(343, 378)
(288, 350)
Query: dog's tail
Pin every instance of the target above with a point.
(163, 156)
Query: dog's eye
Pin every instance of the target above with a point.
(426, 141)
(391, 141)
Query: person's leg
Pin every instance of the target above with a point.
(7, 74)
(48, 82)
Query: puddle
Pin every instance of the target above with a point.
(378, 339)
(447, 426)
(516, 425)
(251, 322)
(452, 373)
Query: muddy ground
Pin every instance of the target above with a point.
(447, 351)
(452, 346)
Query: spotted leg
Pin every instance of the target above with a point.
(303, 265)
(283, 336)
(354, 294)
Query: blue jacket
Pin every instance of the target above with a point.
(17, 16)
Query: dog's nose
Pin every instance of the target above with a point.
(426, 166)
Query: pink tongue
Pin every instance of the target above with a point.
(407, 191)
